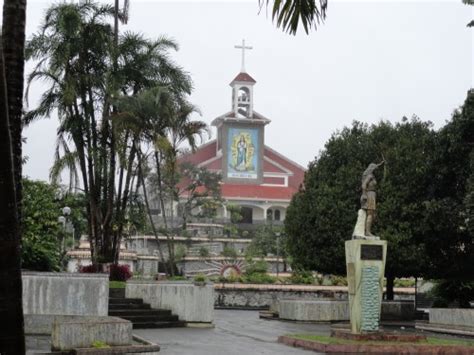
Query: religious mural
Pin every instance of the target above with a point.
(242, 153)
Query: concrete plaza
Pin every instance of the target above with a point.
(235, 333)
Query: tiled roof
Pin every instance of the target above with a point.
(244, 77)
(257, 191)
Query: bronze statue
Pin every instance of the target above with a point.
(366, 214)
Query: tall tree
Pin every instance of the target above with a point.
(12, 44)
(77, 54)
(322, 215)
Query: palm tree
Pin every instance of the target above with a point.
(87, 73)
(12, 44)
(289, 13)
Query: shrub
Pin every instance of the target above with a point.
(229, 252)
(302, 277)
(120, 272)
(404, 283)
(448, 291)
(338, 280)
(88, 269)
(200, 278)
(203, 252)
(259, 278)
(180, 252)
(259, 267)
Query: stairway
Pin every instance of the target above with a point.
(141, 314)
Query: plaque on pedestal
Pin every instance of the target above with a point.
(365, 262)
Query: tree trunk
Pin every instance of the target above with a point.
(13, 33)
(141, 179)
(12, 341)
(163, 211)
(389, 293)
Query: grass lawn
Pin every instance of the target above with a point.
(429, 341)
(116, 284)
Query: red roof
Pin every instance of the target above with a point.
(257, 191)
(244, 77)
(206, 155)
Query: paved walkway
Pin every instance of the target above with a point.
(235, 333)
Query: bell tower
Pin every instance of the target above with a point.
(240, 132)
(242, 89)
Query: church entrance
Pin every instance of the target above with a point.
(247, 215)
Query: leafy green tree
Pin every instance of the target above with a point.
(200, 188)
(450, 245)
(322, 214)
(41, 231)
(160, 119)
(265, 242)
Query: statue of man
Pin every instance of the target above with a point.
(366, 217)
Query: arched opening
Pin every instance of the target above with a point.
(269, 215)
(277, 215)
(244, 94)
(247, 215)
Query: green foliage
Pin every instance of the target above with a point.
(265, 241)
(322, 215)
(448, 291)
(404, 283)
(229, 252)
(98, 344)
(258, 278)
(203, 252)
(180, 252)
(200, 278)
(256, 267)
(110, 98)
(235, 213)
(290, 14)
(117, 284)
(202, 192)
(302, 277)
(41, 231)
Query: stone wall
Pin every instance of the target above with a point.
(213, 265)
(46, 295)
(462, 317)
(65, 293)
(191, 303)
(266, 296)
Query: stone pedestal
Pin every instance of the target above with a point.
(365, 262)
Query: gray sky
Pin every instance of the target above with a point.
(371, 60)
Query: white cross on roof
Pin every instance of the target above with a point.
(243, 47)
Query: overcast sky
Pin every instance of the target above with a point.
(371, 60)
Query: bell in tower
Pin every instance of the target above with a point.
(242, 90)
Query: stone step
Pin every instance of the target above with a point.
(125, 300)
(151, 319)
(155, 325)
(117, 292)
(129, 306)
(138, 312)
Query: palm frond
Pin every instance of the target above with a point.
(288, 14)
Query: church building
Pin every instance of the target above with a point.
(254, 176)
